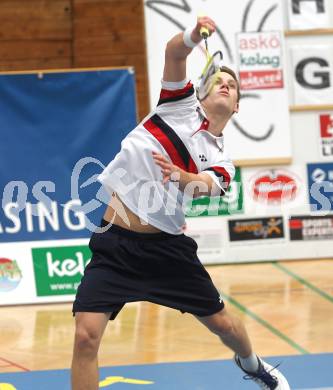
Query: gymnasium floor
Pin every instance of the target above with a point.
(286, 307)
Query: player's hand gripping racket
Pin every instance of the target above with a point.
(210, 72)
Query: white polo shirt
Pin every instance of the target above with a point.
(176, 128)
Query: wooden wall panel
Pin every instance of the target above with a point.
(58, 34)
(35, 34)
(35, 19)
(126, 59)
(111, 33)
(117, 14)
(36, 64)
(107, 45)
(33, 49)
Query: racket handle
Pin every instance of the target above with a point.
(204, 32)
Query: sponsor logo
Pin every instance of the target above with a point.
(230, 203)
(58, 271)
(10, 275)
(326, 135)
(260, 63)
(274, 186)
(320, 179)
(256, 229)
(311, 228)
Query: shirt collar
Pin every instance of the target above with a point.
(204, 127)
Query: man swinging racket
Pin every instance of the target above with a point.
(141, 253)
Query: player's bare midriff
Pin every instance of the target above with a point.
(115, 214)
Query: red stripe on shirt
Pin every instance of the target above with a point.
(166, 143)
(167, 94)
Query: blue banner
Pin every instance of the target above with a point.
(58, 131)
(320, 180)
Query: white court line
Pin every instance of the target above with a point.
(319, 388)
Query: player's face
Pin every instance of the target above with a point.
(224, 93)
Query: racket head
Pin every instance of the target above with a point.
(209, 75)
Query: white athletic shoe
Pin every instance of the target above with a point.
(267, 376)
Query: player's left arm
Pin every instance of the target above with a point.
(211, 182)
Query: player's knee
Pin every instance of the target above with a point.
(222, 326)
(86, 340)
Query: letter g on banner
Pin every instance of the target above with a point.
(322, 77)
(313, 73)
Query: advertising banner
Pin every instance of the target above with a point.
(230, 203)
(320, 182)
(258, 229)
(326, 135)
(59, 130)
(308, 14)
(10, 274)
(304, 228)
(69, 125)
(275, 190)
(58, 270)
(313, 72)
(274, 186)
(17, 283)
(257, 130)
(260, 60)
(210, 243)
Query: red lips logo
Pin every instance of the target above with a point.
(274, 186)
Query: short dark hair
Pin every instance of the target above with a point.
(233, 75)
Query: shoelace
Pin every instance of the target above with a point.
(264, 376)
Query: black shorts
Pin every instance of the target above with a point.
(157, 267)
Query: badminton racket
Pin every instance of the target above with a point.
(211, 69)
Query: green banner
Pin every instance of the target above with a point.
(58, 270)
(230, 203)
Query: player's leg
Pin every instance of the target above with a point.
(89, 329)
(233, 334)
(230, 330)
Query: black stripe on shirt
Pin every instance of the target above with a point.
(176, 141)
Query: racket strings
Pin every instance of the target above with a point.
(209, 74)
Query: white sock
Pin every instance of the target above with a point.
(250, 363)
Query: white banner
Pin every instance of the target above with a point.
(312, 74)
(308, 14)
(257, 130)
(211, 240)
(26, 276)
(16, 275)
(260, 60)
(279, 190)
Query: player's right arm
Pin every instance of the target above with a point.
(176, 50)
(213, 181)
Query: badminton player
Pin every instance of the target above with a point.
(141, 253)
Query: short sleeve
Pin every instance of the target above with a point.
(222, 173)
(176, 92)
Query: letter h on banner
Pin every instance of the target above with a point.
(319, 4)
(308, 14)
